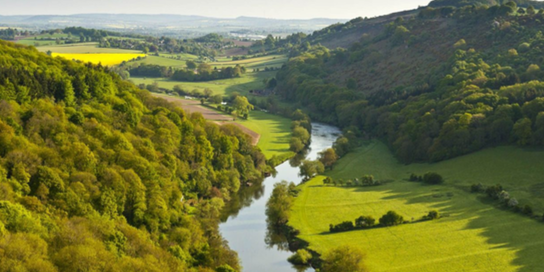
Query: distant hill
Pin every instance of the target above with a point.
(168, 24)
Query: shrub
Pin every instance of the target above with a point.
(528, 210)
(494, 191)
(477, 188)
(344, 226)
(432, 215)
(432, 178)
(301, 257)
(391, 218)
(365, 222)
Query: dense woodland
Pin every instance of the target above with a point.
(486, 91)
(97, 175)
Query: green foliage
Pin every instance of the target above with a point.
(301, 257)
(391, 218)
(343, 258)
(433, 178)
(279, 204)
(472, 99)
(97, 175)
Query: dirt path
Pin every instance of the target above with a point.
(190, 106)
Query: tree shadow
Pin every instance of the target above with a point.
(501, 228)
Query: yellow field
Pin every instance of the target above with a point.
(105, 59)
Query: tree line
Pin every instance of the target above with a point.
(391, 218)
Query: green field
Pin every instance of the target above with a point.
(166, 61)
(260, 62)
(473, 235)
(275, 132)
(243, 85)
(84, 48)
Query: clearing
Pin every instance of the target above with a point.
(473, 235)
(191, 106)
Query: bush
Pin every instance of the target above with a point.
(432, 215)
(477, 188)
(301, 257)
(344, 226)
(391, 218)
(528, 210)
(365, 222)
(432, 178)
(494, 191)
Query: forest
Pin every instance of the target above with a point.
(98, 175)
(487, 92)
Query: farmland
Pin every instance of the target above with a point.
(472, 235)
(275, 132)
(242, 85)
(84, 48)
(105, 58)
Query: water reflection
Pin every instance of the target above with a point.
(260, 247)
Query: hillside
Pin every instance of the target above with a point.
(445, 82)
(97, 175)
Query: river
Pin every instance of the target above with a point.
(244, 225)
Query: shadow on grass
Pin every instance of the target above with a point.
(502, 228)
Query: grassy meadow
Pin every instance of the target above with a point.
(473, 235)
(84, 48)
(242, 85)
(275, 133)
(104, 58)
(252, 63)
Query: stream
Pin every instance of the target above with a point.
(244, 222)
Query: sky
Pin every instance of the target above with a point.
(280, 9)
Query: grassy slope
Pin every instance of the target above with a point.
(275, 132)
(84, 48)
(243, 85)
(259, 62)
(473, 235)
(165, 60)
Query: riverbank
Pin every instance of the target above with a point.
(245, 226)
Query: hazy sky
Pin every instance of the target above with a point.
(283, 9)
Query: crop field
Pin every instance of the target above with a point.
(84, 48)
(473, 235)
(105, 59)
(242, 85)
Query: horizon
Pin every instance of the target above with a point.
(279, 10)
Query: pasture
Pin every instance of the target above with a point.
(84, 48)
(242, 85)
(275, 61)
(105, 59)
(275, 132)
(473, 235)
(167, 61)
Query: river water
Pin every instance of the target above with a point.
(244, 225)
